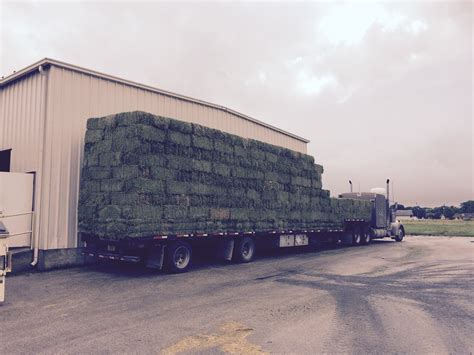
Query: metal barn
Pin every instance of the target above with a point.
(43, 114)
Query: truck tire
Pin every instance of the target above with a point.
(401, 234)
(178, 257)
(366, 237)
(244, 250)
(356, 237)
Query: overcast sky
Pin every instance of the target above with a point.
(381, 89)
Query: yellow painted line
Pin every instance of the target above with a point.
(231, 339)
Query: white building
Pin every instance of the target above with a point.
(43, 114)
(405, 215)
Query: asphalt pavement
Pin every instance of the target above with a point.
(409, 297)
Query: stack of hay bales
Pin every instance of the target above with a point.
(145, 175)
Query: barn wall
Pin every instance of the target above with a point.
(71, 98)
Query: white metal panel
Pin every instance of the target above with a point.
(21, 121)
(16, 197)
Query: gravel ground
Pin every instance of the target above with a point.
(410, 297)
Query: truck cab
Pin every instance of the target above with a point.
(383, 222)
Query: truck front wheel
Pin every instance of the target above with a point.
(244, 250)
(400, 235)
(178, 257)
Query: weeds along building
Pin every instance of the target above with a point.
(43, 114)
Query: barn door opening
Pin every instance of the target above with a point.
(5, 159)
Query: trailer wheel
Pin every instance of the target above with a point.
(244, 250)
(366, 237)
(178, 257)
(356, 237)
(401, 234)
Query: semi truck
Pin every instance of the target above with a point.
(154, 189)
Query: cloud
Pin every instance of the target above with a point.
(381, 89)
(348, 23)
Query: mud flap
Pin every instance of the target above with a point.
(346, 238)
(156, 257)
(225, 249)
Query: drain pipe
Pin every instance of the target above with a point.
(35, 221)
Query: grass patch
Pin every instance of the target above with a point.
(440, 227)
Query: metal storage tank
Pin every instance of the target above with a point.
(43, 114)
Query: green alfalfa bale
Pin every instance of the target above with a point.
(239, 172)
(125, 198)
(199, 213)
(89, 186)
(161, 122)
(300, 181)
(202, 142)
(223, 146)
(146, 118)
(179, 138)
(133, 118)
(111, 185)
(144, 185)
(109, 213)
(201, 165)
(131, 145)
(255, 174)
(149, 160)
(91, 159)
(96, 123)
(181, 126)
(316, 184)
(236, 141)
(109, 159)
(202, 131)
(224, 158)
(180, 163)
(256, 153)
(239, 214)
(219, 214)
(152, 134)
(126, 118)
(272, 158)
(178, 187)
(271, 176)
(96, 173)
(94, 135)
(171, 148)
(125, 172)
(253, 195)
(241, 151)
(161, 173)
(221, 169)
(102, 146)
(145, 212)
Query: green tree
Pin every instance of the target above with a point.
(467, 207)
(418, 211)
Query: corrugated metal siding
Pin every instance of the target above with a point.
(72, 98)
(21, 121)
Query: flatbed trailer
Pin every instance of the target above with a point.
(174, 252)
(153, 189)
